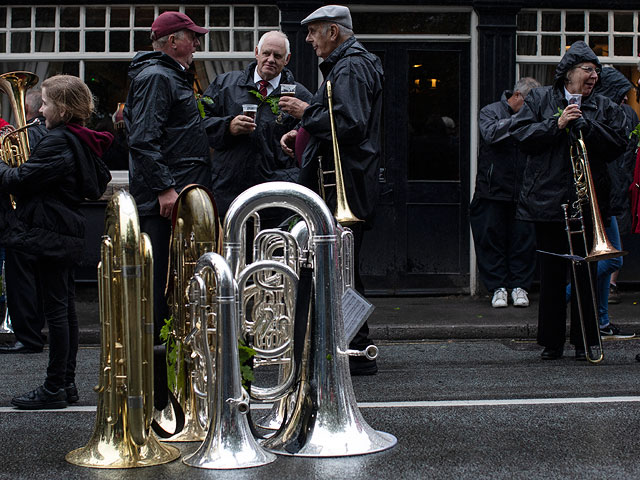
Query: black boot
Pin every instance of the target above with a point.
(40, 399)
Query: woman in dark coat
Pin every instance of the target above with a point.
(64, 169)
(546, 126)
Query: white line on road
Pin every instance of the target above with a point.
(417, 404)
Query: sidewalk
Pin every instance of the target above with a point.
(415, 318)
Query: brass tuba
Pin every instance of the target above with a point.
(195, 232)
(343, 213)
(602, 248)
(326, 421)
(14, 142)
(229, 443)
(122, 436)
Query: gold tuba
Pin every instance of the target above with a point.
(14, 142)
(122, 437)
(195, 232)
(343, 213)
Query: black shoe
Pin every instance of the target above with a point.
(17, 347)
(550, 353)
(40, 399)
(580, 354)
(362, 366)
(613, 331)
(71, 391)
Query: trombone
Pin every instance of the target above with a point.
(344, 215)
(602, 248)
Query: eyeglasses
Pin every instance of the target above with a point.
(590, 70)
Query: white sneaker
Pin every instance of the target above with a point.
(499, 299)
(520, 297)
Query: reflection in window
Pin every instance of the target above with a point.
(433, 112)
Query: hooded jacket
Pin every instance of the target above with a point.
(63, 171)
(614, 85)
(357, 79)
(548, 177)
(167, 140)
(242, 161)
(500, 162)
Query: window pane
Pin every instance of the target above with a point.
(68, 68)
(219, 41)
(119, 41)
(599, 45)
(45, 41)
(219, 17)
(3, 43)
(20, 42)
(94, 41)
(550, 21)
(69, 41)
(268, 16)
(571, 39)
(243, 16)
(623, 21)
(168, 8)
(526, 45)
(243, 41)
(45, 17)
(119, 17)
(527, 21)
(598, 22)
(20, 17)
(69, 17)
(551, 45)
(141, 41)
(95, 17)
(415, 22)
(575, 22)
(144, 17)
(3, 17)
(623, 46)
(196, 14)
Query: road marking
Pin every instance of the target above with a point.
(417, 404)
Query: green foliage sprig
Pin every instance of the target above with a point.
(558, 113)
(246, 354)
(636, 132)
(200, 101)
(272, 101)
(169, 339)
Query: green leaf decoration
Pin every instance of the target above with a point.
(272, 101)
(559, 112)
(245, 354)
(636, 132)
(200, 101)
(169, 339)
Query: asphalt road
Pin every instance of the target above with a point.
(460, 409)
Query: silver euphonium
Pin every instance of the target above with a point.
(326, 421)
(229, 442)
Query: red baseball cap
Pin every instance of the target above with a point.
(170, 22)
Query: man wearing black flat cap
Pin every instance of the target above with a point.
(167, 140)
(356, 77)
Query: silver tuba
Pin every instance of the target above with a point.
(122, 437)
(326, 421)
(229, 443)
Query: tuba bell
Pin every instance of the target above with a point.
(122, 436)
(195, 232)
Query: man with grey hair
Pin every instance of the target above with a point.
(505, 247)
(246, 149)
(356, 77)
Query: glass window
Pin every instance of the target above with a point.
(20, 42)
(599, 45)
(119, 41)
(219, 41)
(45, 41)
(526, 45)
(414, 22)
(219, 17)
(20, 17)
(3, 43)
(550, 21)
(3, 17)
(141, 41)
(268, 16)
(551, 45)
(598, 21)
(119, 17)
(623, 46)
(243, 41)
(144, 17)
(574, 22)
(527, 22)
(623, 21)
(95, 17)
(243, 16)
(69, 17)
(45, 17)
(94, 41)
(69, 41)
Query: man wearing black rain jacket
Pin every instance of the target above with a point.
(546, 126)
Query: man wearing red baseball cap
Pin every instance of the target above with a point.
(168, 146)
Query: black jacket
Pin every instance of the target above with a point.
(356, 77)
(62, 171)
(167, 140)
(548, 177)
(500, 162)
(242, 161)
(614, 85)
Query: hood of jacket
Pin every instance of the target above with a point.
(613, 84)
(144, 59)
(98, 142)
(579, 52)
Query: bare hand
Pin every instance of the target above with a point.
(166, 199)
(293, 106)
(242, 125)
(572, 112)
(288, 142)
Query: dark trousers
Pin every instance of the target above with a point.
(23, 298)
(58, 297)
(159, 230)
(554, 275)
(361, 339)
(505, 247)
